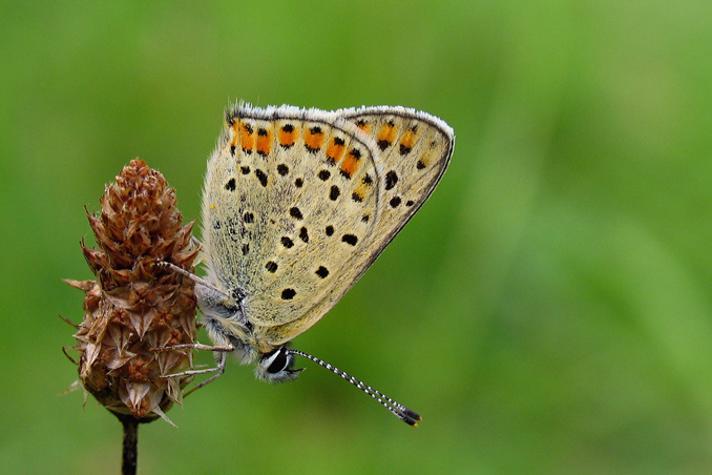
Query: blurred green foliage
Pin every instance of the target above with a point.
(548, 311)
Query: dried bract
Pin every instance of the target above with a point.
(134, 307)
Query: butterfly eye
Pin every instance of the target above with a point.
(276, 361)
(277, 366)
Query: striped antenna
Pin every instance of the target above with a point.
(394, 407)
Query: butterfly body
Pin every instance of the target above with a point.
(297, 204)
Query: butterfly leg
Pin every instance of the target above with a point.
(193, 277)
(221, 359)
(197, 346)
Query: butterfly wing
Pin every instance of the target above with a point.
(412, 152)
(290, 202)
(414, 149)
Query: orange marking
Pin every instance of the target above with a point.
(313, 137)
(362, 191)
(286, 135)
(264, 141)
(363, 125)
(350, 163)
(235, 133)
(246, 139)
(335, 150)
(387, 134)
(408, 140)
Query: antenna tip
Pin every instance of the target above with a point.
(411, 418)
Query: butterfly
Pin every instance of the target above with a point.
(297, 204)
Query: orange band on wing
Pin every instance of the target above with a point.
(313, 138)
(247, 141)
(363, 125)
(407, 141)
(286, 136)
(264, 142)
(335, 150)
(386, 135)
(351, 163)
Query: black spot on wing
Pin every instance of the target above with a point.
(262, 176)
(349, 239)
(391, 179)
(295, 213)
(304, 234)
(288, 294)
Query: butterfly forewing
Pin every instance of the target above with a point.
(412, 150)
(290, 201)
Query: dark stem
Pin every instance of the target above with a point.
(130, 450)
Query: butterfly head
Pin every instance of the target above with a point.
(277, 366)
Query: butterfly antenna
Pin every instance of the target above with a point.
(394, 407)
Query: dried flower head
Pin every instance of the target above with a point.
(134, 308)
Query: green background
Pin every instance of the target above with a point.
(549, 310)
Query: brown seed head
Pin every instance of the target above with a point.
(135, 307)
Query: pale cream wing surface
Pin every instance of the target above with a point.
(290, 202)
(412, 152)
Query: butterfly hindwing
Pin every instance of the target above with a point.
(412, 150)
(290, 201)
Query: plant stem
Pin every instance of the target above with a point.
(130, 449)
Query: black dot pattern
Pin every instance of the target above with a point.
(391, 179)
(322, 272)
(271, 266)
(304, 234)
(261, 176)
(295, 213)
(288, 294)
(349, 239)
